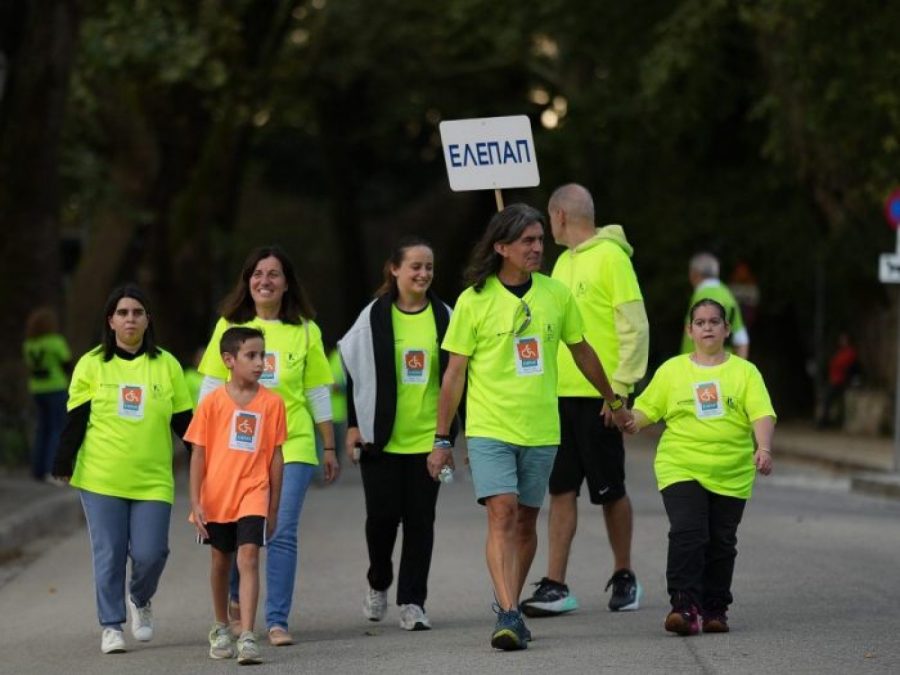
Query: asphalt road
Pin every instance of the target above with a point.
(817, 590)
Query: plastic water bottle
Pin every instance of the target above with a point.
(446, 474)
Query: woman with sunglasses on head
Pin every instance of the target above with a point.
(394, 362)
(126, 398)
(714, 405)
(268, 295)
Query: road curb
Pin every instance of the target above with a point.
(882, 484)
(57, 514)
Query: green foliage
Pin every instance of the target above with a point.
(765, 131)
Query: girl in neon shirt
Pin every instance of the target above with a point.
(714, 405)
(395, 365)
(126, 398)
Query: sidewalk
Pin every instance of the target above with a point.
(29, 510)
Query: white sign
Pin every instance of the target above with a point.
(889, 265)
(490, 153)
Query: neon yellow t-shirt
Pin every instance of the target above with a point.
(512, 378)
(601, 277)
(295, 361)
(127, 450)
(709, 413)
(339, 389)
(418, 372)
(45, 356)
(194, 381)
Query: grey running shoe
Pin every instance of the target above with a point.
(412, 617)
(221, 646)
(375, 605)
(248, 650)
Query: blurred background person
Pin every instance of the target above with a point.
(703, 272)
(843, 371)
(49, 363)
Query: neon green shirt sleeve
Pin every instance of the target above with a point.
(573, 325)
(81, 389)
(318, 370)
(633, 332)
(460, 336)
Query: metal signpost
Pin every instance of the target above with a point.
(889, 273)
(490, 153)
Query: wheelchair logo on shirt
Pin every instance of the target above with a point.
(708, 400)
(269, 375)
(415, 366)
(131, 401)
(244, 431)
(528, 356)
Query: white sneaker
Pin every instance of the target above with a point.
(375, 605)
(141, 621)
(412, 617)
(112, 641)
(221, 646)
(248, 649)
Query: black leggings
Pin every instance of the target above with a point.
(702, 543)
(398, 490)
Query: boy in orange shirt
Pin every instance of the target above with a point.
(236, 468)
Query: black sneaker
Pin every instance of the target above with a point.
(550, 598)
(626, 593)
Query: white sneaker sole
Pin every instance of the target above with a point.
(633, 605)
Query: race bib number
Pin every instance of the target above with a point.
(529, 360)
(269, 376)
(245, 429)
(415, 366)
(708, 400)
(131, 401)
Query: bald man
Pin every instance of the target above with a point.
(596, 266)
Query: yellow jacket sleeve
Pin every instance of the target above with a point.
(634, 342)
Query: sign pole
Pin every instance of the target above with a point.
(897, 393)
(889, 273)
(498, 195)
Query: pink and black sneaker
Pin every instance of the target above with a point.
(684, 619)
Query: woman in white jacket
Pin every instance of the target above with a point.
(394, 365)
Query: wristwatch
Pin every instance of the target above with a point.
(616, 404)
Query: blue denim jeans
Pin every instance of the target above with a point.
(281, 553)
(119, 529)
(51, 409)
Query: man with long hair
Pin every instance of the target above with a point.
(505, 333)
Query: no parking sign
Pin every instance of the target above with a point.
(889, 263)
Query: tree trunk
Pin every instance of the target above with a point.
(38, 51)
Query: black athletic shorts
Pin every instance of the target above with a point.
(588, 449)
(226, 537)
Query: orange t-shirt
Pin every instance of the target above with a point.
(240, 444)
